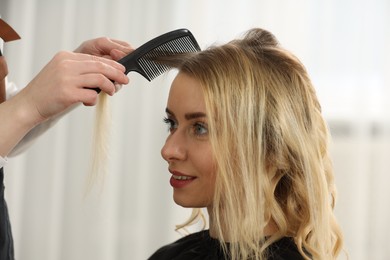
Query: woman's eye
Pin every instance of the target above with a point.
(200, 129)
(172, 125)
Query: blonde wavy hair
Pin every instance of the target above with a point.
(100, 145)
(270, 144)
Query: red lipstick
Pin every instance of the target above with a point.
(180, 180)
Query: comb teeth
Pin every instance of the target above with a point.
(153, 69)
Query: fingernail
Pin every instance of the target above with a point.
(117, 87)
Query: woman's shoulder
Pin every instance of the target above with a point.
(283, 249)
(200, 246)
(197, 245)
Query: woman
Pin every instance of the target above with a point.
(248, 142)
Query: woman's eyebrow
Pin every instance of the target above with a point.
(194, 115)
(188, 116)
(169, 112)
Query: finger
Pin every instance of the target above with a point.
(78, 94)
(123, 43)
(107, 56)
(106, 45)
(87, 97)
(70, 56)
(93, 81)
(117, 87)
(108, 71)
(117, 54)
(77, 68)
(107, 61)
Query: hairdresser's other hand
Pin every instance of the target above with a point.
(105, 47)
(67, 80)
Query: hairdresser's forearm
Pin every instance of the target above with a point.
(16, 120)
(37, 131)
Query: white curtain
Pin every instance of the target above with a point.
(344, 45)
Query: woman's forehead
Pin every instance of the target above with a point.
(185, 95)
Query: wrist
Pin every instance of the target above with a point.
(25, 111)
(16, 122)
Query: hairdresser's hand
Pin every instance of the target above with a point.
(105, 47)
(66, 80)
(61, 84)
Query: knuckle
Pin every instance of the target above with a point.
(101, 66)
(61, 55)
(62, 70)
(91, 100)
(103, 40)
(62, 60)
(101, 79)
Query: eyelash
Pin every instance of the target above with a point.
(170, 123)
(196, 127)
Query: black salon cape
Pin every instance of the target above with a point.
(6, 242)
(200, 246)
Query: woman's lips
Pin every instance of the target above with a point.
(179, 180)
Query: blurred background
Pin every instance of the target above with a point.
(343, 43)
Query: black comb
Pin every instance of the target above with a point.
(141, 60)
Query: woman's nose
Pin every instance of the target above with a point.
(174, 148)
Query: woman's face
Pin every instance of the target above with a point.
(187, 148)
